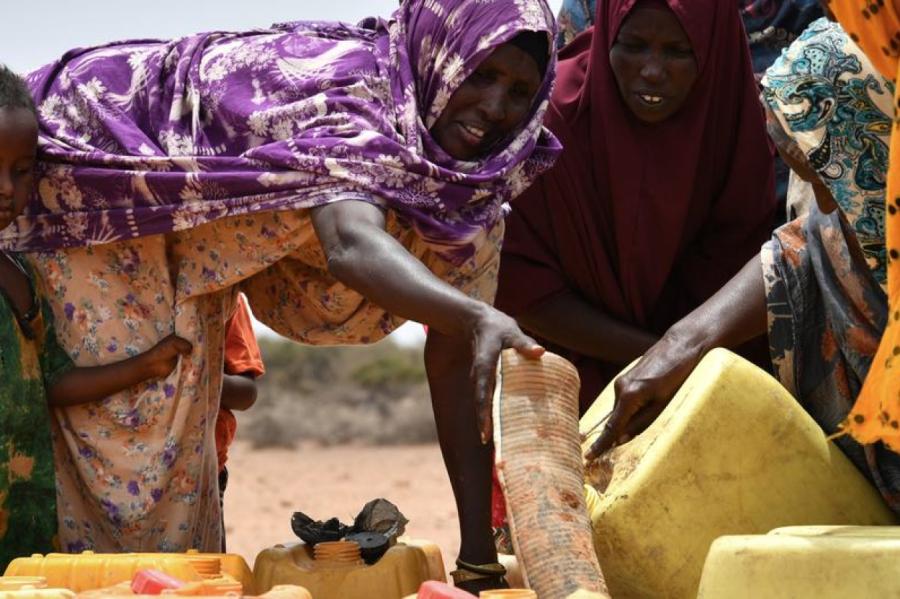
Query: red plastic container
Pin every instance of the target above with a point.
(432, 589)
(153, 582)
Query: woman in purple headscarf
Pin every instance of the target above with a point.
(344, 178)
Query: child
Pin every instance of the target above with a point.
(34, 369)
(243, 364)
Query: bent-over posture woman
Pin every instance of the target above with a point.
(345, 178)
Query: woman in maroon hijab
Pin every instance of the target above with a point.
(664, 189)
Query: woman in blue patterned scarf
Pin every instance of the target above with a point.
(828, 111)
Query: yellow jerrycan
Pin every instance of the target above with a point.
(89, 571)
(30, 587)
(821, 562)
(733, 453)
(336, 570)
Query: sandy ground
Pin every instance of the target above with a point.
(267, 486)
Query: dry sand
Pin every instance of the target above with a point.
(267, 486)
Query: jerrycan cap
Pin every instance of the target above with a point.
(372, 545)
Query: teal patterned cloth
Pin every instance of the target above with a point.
(834, 104)
(824, 273)
(574, 17)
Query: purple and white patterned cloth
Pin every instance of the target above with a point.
(145, 137)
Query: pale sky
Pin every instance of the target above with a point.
(36, 32)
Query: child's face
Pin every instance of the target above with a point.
(18, 149)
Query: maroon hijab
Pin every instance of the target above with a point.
(645, 221)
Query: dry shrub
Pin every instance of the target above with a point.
(373, 395)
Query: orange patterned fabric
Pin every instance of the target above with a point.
(875, 26)
(242, 356)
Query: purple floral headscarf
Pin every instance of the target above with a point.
(146, 136)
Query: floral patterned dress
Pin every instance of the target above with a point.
(30, 360)
(138, 471)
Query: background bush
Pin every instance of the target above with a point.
(370, 395)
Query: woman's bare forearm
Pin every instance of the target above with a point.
(363, 256)
(734, 315)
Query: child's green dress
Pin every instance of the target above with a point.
(30, 359)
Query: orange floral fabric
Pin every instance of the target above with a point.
(137, 472)
(875, 26)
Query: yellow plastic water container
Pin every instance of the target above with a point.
(123, 591)
(433, 557)
(88, 570)
(213, 587)
(30, 587)
(864, 532)
(815, 562)
(733, 453)
(580, 594)
(18, 583)
(343, 575)
(38, 594)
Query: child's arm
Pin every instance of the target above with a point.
(238, 391)
(84, 385)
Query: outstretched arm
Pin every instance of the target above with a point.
(734, 315)
(464, 343)
(84, 385)
(363, 256)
